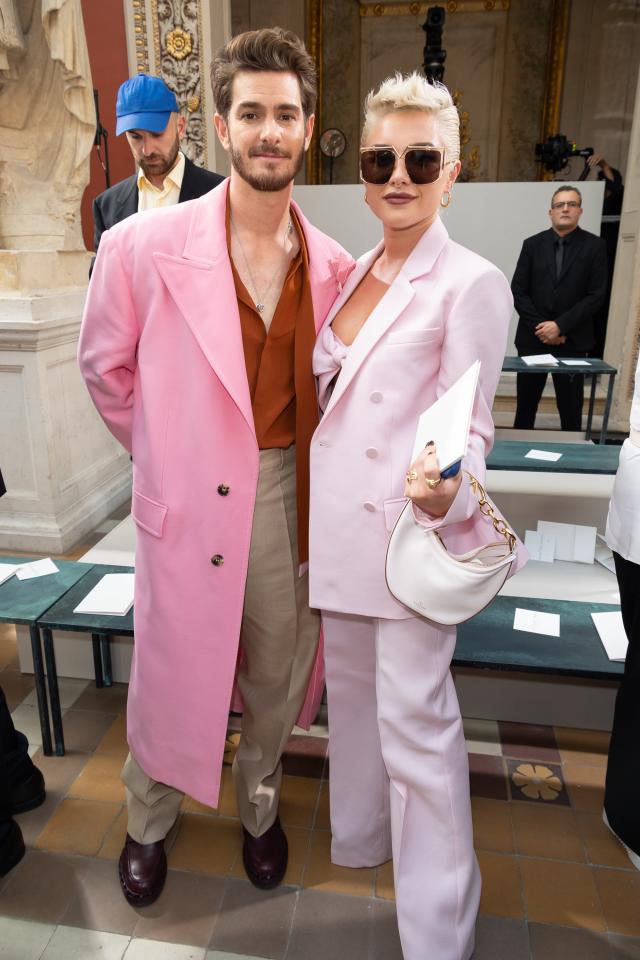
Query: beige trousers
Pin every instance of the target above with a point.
(279, 639)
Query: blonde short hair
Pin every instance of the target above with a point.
(414, 92)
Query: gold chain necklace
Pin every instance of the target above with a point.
(259, 300)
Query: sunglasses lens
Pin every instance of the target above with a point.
(376, 166)
(423, 166)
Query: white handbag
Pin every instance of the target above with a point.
(441, 586)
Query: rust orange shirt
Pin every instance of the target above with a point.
(281, 383)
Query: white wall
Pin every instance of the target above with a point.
(491, 218)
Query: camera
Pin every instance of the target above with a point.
(556, 152)
(434, 55)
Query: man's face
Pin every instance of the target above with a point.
(156, 153)
(266, 133)
(565, 211)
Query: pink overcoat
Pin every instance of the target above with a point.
(161, 352)
(446, 308)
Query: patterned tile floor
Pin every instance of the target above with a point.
(556, 885)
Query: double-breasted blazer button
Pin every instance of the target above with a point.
(217, 560)
(369, 506)
(223, 489)
(375, 397)
(371, 452)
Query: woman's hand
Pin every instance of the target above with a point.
(426, 488)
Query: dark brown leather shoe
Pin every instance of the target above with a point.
(265, 858)
(143, 871)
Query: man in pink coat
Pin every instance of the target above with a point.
(196, 348)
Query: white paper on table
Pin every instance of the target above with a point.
(38, 568)
(111, 596)
(540, 546)
(543, 455)
(7, 570)
(534, 621)
(611, 631)
(573, 541)
(604, 554)
(447, 421)
(539, 359)
(576, 363)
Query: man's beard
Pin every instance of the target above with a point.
(272, 181)
(156, 169)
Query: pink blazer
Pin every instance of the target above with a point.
(161, 352)
(446, 308)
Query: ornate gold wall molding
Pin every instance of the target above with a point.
(556, 57)
(416, 9)
(314, 39)
(139, 13)
(176, 29)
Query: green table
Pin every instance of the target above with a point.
(594, 369)
(489, 640)
(61, 616)
(23, 602)
(599, 458)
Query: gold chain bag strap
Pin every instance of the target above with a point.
(439, 585)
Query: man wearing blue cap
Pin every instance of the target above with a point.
(147, 113)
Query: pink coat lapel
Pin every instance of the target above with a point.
(395, 301)
(201, 284)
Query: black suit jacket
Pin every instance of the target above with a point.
(573, 300)
(121, 200)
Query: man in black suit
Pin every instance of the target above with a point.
(147, 113)
(559, 285)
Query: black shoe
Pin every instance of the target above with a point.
(265, 858)
(11, 849)
(29, 793)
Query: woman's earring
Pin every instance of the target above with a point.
(366, 198)
(445, 199)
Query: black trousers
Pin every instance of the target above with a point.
(569, 390)
(14, 759)
(622, 791)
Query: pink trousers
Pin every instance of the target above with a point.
(399, 781)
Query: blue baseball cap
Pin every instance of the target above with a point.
(144, 103)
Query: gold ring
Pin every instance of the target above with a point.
(432, 484)
(411, 475)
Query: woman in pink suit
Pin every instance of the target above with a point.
(414, 314)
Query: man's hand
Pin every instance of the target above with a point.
(549, 332)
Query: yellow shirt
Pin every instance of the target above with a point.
(150, 197)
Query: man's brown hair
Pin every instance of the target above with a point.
(270, 49)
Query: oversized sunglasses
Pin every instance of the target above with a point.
(423, 164)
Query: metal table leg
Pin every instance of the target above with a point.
(607, 409)
(41, 690)
(54, 692)
(592, 400)
(105, 644)
(97, 659)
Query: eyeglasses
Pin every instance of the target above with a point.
(423, 164)
(565, 203)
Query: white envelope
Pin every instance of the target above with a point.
(543, 455)
(611, 631)
(540, 546)
(7, 570)
(539, 359)
(447, 421)
(573, 541)
(38, 568)
(111, 596)
(535, 621)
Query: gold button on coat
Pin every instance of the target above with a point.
(217, 560)
(223, 489)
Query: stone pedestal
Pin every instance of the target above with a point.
(63, 471)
